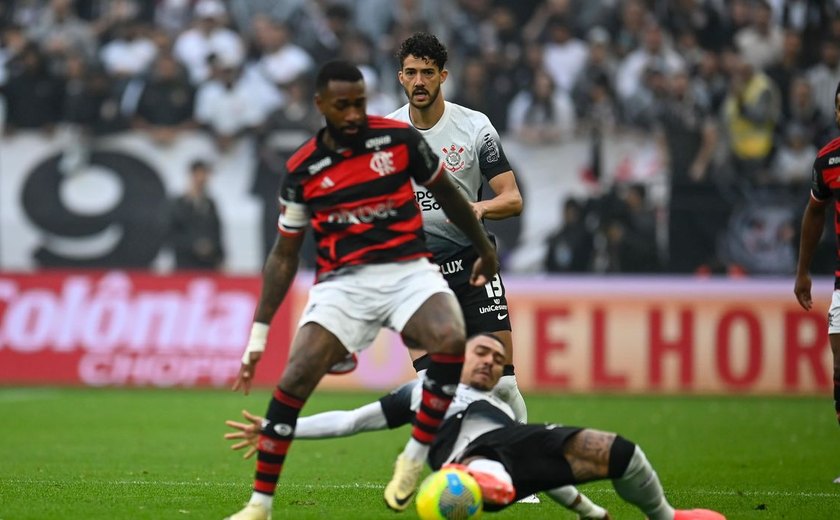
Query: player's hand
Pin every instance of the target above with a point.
(246, 374)
(249, 433)
(802, 290)
(478, 210)
(484, 269)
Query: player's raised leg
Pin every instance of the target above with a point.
(437, 326)
(313, 350)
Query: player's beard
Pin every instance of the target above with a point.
(342, 139)
(431, 96)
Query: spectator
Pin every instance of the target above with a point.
(697, 213)
(281, 61)
(129, 53)
(824, 77)
(641, 110)
(195, 228)
(788, 66)
(59, 32)
(709, 82)
(750, 113)
(793, 162)
(542, 114)
(165, 107)
(629, 26)
(85, 90)
(803, 111)
(570, 247)
(33, 94)
(630, 234)
(593, 94)
(379, 103)
(564, 56)
(762, 41)
(208, 38)
(654, 52)
(225, 105)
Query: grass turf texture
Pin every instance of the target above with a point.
(159, 454)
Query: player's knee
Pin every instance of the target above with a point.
(621, 452)
(447, 339)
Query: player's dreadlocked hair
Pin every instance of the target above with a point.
(424, 46)
(338, 70)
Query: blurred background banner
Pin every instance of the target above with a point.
(638, 335)
(113, 213)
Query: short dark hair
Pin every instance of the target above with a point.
(337, 70)
(425, 46)
(199, 164)
(489, 335)
(836, 91)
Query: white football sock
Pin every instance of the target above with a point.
(641, 487)
(415, 450)
(262, 499)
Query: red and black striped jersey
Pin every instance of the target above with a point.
(360, 202)
(825, 184)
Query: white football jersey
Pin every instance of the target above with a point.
(471, 150)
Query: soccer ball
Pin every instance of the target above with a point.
(449, 494)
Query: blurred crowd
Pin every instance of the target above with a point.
(737, 93)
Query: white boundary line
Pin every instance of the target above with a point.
(381, 485)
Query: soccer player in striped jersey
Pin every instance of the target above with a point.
(825, 185)
(352, 183)
(507, 459)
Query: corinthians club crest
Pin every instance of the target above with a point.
(452, 158)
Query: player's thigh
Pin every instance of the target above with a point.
(314, 349)
(436, 326)
(533, 455)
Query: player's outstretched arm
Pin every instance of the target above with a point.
(326, 425)
(460, 212)
(278, 273)
(813, 221)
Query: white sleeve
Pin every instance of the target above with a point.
(369, 417)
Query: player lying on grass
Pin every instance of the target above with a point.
(509, 460)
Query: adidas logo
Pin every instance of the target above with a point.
(327, 183)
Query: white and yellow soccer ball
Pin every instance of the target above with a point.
(449, 494)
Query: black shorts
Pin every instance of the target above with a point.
(485, 308)
(531, 453)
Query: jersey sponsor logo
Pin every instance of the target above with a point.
(493, 308)
(452, 158)
(501, 316)
(320, 165)
(383, 163)
(833, 160)
(426, 200)
(491, 148)
(452, 267)
(363, 214)
(327, 183)
(377, 142)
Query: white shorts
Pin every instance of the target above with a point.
(834, 313)
(356, 302)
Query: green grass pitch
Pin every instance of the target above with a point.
(159, 454)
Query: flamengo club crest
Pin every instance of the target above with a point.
(383, 163)
(452, 158)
